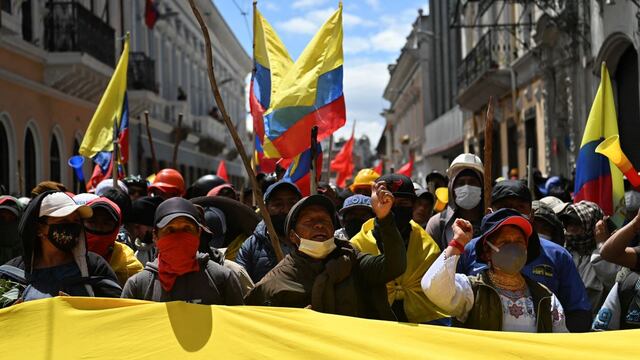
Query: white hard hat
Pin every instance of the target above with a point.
(465, 161)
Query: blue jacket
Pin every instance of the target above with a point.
(554, 268)
(256, 254)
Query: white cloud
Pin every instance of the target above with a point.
(391, 39)
(311, 22)
(299, 25)
(374, 4)
(305, 4)
(271, 6)
(356, 44)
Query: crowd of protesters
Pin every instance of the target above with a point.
(384, 248)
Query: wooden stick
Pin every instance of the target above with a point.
(530, 171)
(488, 154)
(115, 158)
(176, 146)
(328, 164)
(275, 242)
(154, 159)
(314, 156)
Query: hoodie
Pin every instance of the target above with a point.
(94, 276)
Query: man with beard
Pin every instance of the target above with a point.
(405, 295)
(355, 212)
(257, 255)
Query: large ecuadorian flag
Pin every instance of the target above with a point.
(597, 179)
(288, 98)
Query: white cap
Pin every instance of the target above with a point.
(60, 204)
(466, 161)
(84, 198)
(107, 184)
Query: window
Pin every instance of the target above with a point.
(4, 157)
(54, 160)
(29, 174)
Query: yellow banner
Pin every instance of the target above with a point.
(73, 328)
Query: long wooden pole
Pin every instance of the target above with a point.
(176, 146)
(154, 159)
(488, 154)
(314, 157)
(234, 134)
(115, 157)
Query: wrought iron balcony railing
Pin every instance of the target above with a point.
(69, 27)
(142, 72)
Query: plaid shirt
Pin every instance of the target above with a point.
(589, 214)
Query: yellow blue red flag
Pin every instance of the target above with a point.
(288, 98)
(597, 179)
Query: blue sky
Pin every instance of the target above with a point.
(374, 33)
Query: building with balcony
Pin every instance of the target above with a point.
(168, 77)
(56, 58)
(532, 58)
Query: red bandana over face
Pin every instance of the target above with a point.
(176, 256)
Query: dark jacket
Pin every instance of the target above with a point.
(347, 282)
(486, 313)
(212, 285)
(257, 255)
(102, 279)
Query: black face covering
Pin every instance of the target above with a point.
(403, 215)
(278, 222)
(352, 227)
(64, 236)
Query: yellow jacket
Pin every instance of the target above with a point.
(124, 262)
(422, 251)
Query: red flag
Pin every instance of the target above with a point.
(380, 167)
(151, 14)
(222, 171)
(343, 163)
(407, 169)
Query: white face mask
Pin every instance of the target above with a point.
(316, 249)
(468, 196)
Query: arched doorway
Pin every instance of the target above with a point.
(628, 98)
(5, 159)
(54, 160)
(30, 162)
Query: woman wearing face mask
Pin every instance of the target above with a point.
(328, 274)
(499, 298)
(55, 257)
(466, 175)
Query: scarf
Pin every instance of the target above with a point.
(176, 257)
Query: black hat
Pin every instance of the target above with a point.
(203, 185)
(399, 185)
(320, 200)
(174, 208)
(143, 210)
(510, 189)
(493, 221)
(241, 219)
(281, 185)
(436, 175)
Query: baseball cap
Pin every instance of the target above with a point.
(59, 204)
(174, 208)
(399, 185)
(106, 184)
(497, 219)
(557, 205)
(510, 189)
(84, 198)
(356, 202)
(320, 200)
(280, 185)
(143, 210)
(10, 204)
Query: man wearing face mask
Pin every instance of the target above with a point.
(328, 274)
(549, 264)
(10, 213)
(101, 230)
(404, 294)
(181, 273)
(256, 254)
(500, 298)
(140, 227)
(355, 212)
(55, 257)
(423, 208)
(466, 175)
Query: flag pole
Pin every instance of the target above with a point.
(114, 157)
(314, 166)
(154, 159)
(328, 164)
(178, 141)
(488, 154)
(275, 242)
